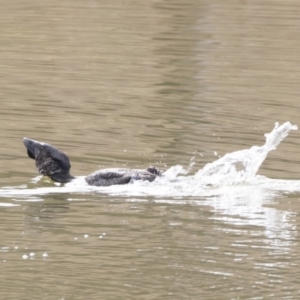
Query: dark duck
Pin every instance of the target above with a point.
(55, 164)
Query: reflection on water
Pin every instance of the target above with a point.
(139, 83)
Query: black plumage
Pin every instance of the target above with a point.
(55, 164)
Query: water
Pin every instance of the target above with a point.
(179, 85)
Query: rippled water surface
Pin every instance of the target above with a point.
(175, 84)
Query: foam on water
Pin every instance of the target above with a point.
(236, 170)
(229, 187)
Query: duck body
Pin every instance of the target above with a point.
(55, 164)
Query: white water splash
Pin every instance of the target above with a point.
(243, 165)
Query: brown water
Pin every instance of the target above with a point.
(133, 83)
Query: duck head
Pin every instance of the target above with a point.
(49, 161)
